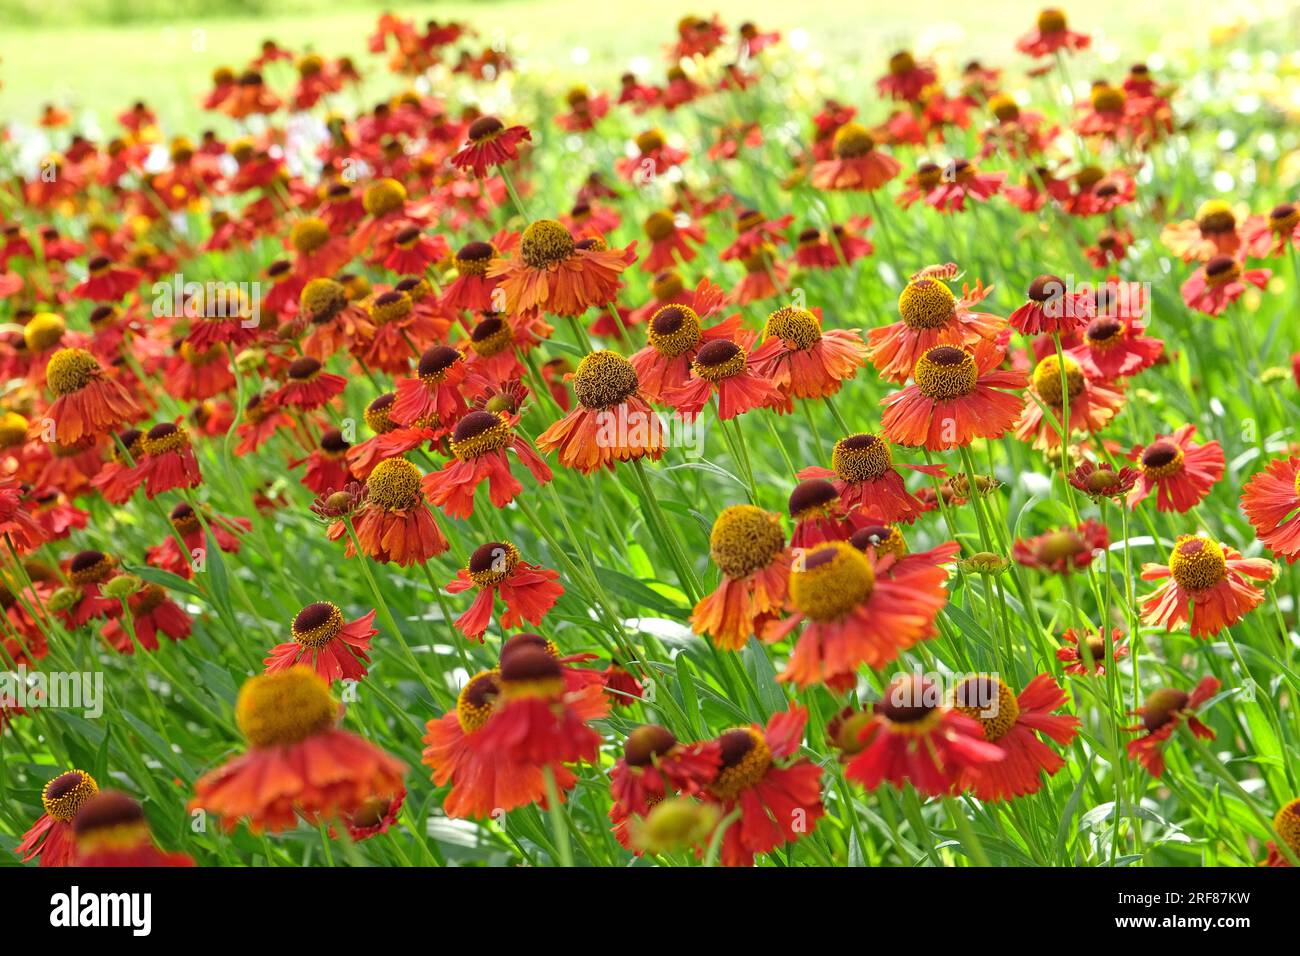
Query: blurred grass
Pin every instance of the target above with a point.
(82, 55)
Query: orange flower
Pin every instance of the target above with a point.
(553, 274)
(1064, 549)
(858, 610)
(748, 546)
(1012, 724)
(656, 765)
(167, 460)
(489, 142)
(1214, 232)
(1208, 583)
(528, 590)
(297, 763)
(1090, 646)
(1091, 404)
(434, 395)
(1287, 824)
(812, 363)
(1178, 470)
(1161, 714)
(152, 611)
(483, 779)
(50, 837)
(1270, 501)
(309, 386)
(1052, 308)
(855, 163)
(611, 421)
(674, 337)
(335, 649)
(16, 523)
(865, 474)
(479, 443)
(1051, 34)
(540, 718)
(913, 737)
(931, 315)
(87, 403)
(111, 831)
(779, 798)
(956, 397)
(394, 524)
(730, 370)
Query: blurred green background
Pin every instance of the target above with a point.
(100, 55)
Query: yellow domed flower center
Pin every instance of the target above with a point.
(718, 360)
(390, 307)
(666, 285)
(1221, 270)
(861, 458)
(491, 337)
(1161, 459)
(945, 372)
(911, 705)
(478, 433)
(1047, 380)
(798, 328)
(1089, 176)
(1107, 99)
(926, 304)
(853, 140)
(886, 539)
(1215, 217)
(1161, 706)
(988, 700)
(383, 197)
(474, 258)
(316, 624)
(650, 141)
(544, 243)
(164, 437)
(477, 700)
(1287, 824)
(674, 330)
(43, 330)
(834, 579)
(199, 359)
(1283, 219)
(70, 370)
(63, 796)
(322, 299)
(394, 485)
(90, 567)
(13, 429)
(901, 63)
(745, 539)
(284, 707)
(377, 414)
(1004, 107)
(492, 563)
(1104, 333)
(660, 226)
(603, 380)
(746, 757)
(928, 175)
(1102, 481)
(309, 234)
(1051, 20)
(1060, 545)
(1197, 563)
